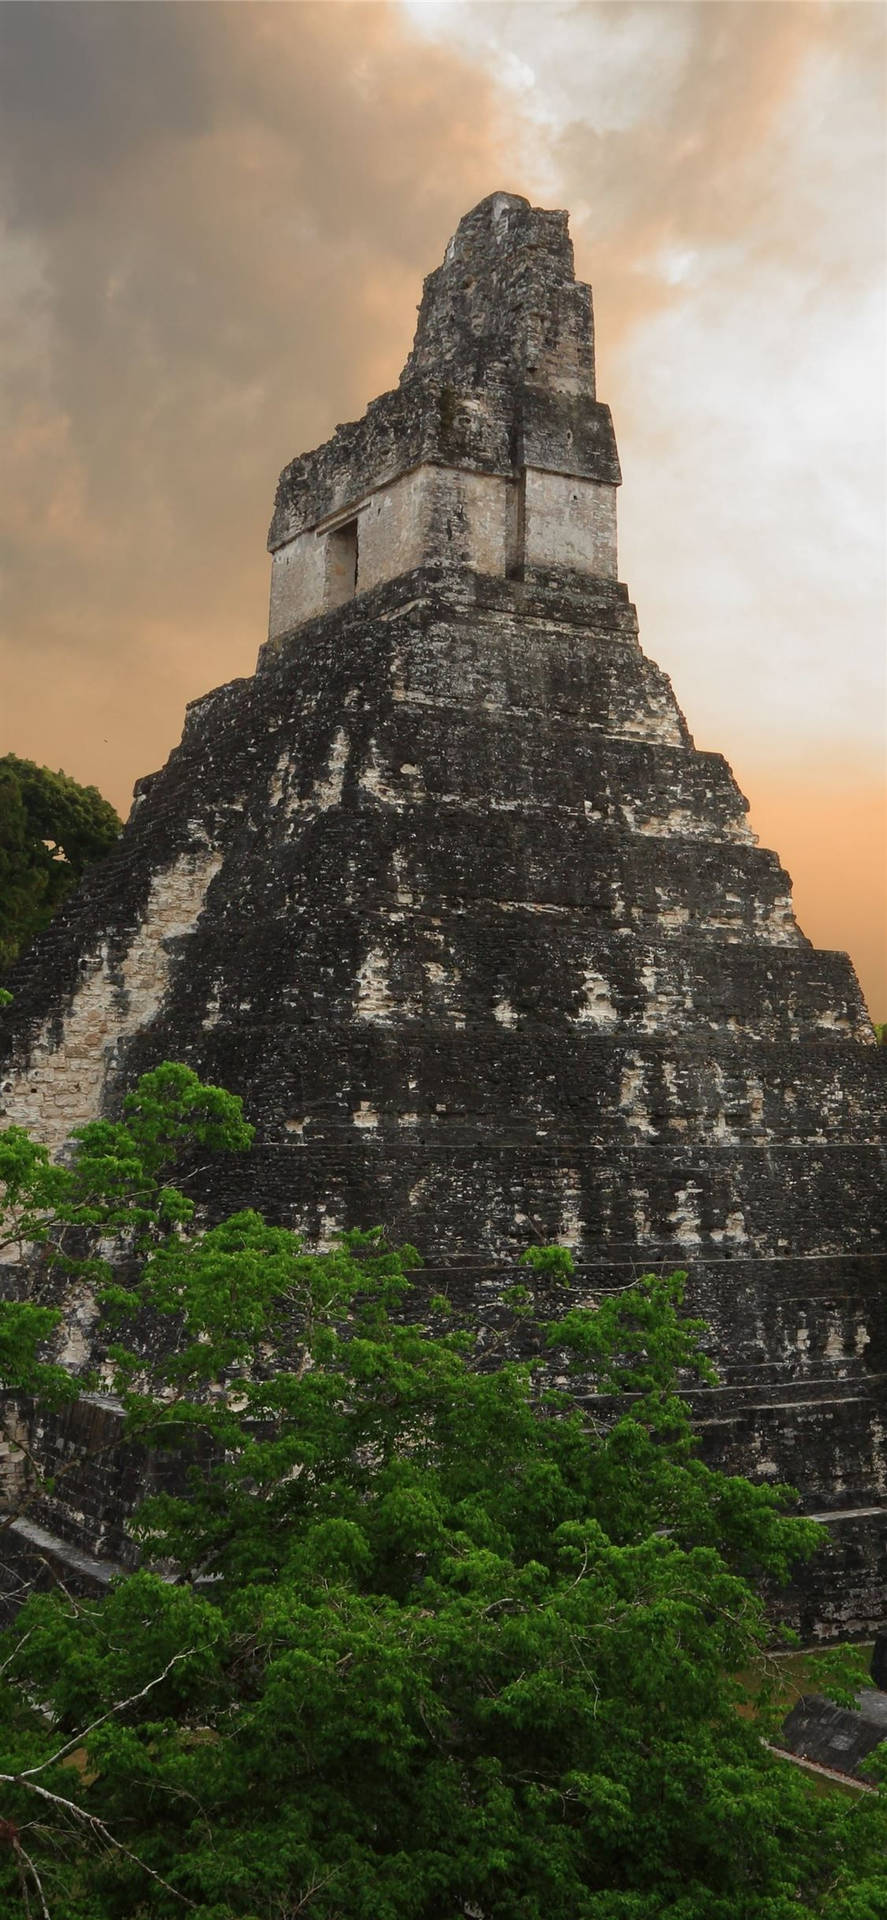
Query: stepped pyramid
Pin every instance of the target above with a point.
(446, 892)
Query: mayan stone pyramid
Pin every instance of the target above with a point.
(446, 892)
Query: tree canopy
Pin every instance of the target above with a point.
(415, 1636)
(51, 829)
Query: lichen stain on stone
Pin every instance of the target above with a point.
(596, 1007)
(375, 1002)
(571, 1224)
(62, 1082)
(684, 1217)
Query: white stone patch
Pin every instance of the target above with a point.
(733, 1230)
(372, 779)
(685, 1218)
(62, 1085)
(683, 824)
(375, 1002)
(281, 778)
(778, 924)
(878, 1460)
(571, 1211)
(658, 723)
(330, 1228)
(213, 1012)
(328, 792)
(596, 1008)
(659, 1005)
(835, 1347)
(630, 1094)
(366, 1118)
(410, 786)
(295, 1127)
(504, 1012)
(755, 1097)
(831, 1022)
(641, 1216)
(443, 991)
(630, 1083)
(80, 1315)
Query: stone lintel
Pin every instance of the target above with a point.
(429, 422)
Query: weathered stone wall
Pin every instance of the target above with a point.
(492, 453)
(71, 1054)
(570, 523)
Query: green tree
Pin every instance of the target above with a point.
(51, 829)
(415, 1637)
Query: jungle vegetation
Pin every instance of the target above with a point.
(413, 1635)
(51, 830)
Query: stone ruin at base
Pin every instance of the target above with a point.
(446, 892)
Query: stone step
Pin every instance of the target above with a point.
(681, 1203)
(504, 1083)
(672, 886)
(524, 968)
(470, 661)
(521, 761)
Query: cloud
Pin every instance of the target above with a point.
(217, 219)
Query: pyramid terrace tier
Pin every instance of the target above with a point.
(455, 639)
(778, 1329)
(220, 967)
(652, 1202)
(486, 1080)
(471, 857)
(505, 966)
(823, 1435)
(501, 760)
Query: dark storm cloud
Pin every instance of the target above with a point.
(82, 87)
(218, 218)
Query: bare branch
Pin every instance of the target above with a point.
(21, 1855)
(96, 1826)
(11, 1656)
(314, 1888)
(119, 1706)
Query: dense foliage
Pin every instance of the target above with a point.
(413, 1639)
(51, 829)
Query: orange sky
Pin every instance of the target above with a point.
(215, 223)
